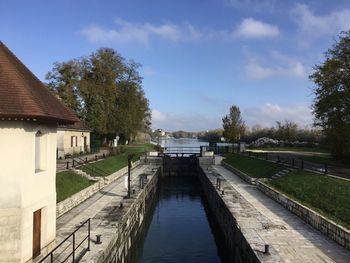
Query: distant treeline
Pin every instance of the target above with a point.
(283, 131)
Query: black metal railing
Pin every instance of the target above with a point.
(92, 170)
(74, 244)
(294, 162)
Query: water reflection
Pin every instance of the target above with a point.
(178, 229)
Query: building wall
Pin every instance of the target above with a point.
(24, 190)
(64, 142)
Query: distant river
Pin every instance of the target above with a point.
(183, 142)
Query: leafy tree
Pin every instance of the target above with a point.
(106, 91)
(332, 96)
(286, 131)
(64, 79)
(233, 124)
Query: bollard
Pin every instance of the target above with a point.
(86, 160)
(67, 165)
(326, 168)
(133, 191)
(266, 156)
(293, 162)
(302, 164)
(222, 192)
(278, 159)
(98, 239)
(73, 163)
(218, 183)
(121, 205)
(266, 249)
(95, 157)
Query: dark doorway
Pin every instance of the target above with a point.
(36, 233)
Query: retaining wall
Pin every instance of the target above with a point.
(245, 177)
(71, 202)
(334, 231)
(130, 225)
(243, 243)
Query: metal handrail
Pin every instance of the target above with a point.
(51, 254)
(91, 168)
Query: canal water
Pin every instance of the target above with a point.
(179, 227)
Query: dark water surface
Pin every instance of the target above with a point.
(178, 228)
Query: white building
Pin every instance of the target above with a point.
(29, 115)
(73, 139)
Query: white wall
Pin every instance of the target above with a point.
(23, 191)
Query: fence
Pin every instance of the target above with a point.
(70, 247)
(293, 162)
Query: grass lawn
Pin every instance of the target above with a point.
(114, 163)
(253, 167)
(68, 183)
(325, 159)
(326, 195)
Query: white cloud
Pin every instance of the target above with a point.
(149, 71)
(279, 65)
(312, 26)
(183, 121)
(267, 115)
(251, 28)
(126, 32)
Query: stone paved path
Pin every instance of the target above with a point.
(295, 240)
(104, 211)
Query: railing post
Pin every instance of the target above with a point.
(89, 234)
(266, 156)
(73, 163)
(67, 165)
(51, 257)
(86, 160)
(326, 168)
(302, 164)
(95, 157)
(278, 159)
(293, 162)
(73, 247)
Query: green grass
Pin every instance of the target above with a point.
(253, 167)
(68, 183)
(325, 159)
(326, 195)
(114, 163)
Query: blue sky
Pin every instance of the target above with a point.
(199, 56)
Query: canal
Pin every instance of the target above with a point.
(179, 227)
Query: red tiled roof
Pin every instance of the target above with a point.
(24, 96)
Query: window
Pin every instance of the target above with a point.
(73, 141)
(40, 151)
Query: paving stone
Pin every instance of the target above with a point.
(295, 240)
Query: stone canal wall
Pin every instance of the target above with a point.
(241, 236)
(334, 231)
(130, 225)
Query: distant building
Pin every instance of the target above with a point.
(73, 139)
(29, 115)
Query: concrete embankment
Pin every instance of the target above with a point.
(114, 217)
(128, 227)
(238, 220)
